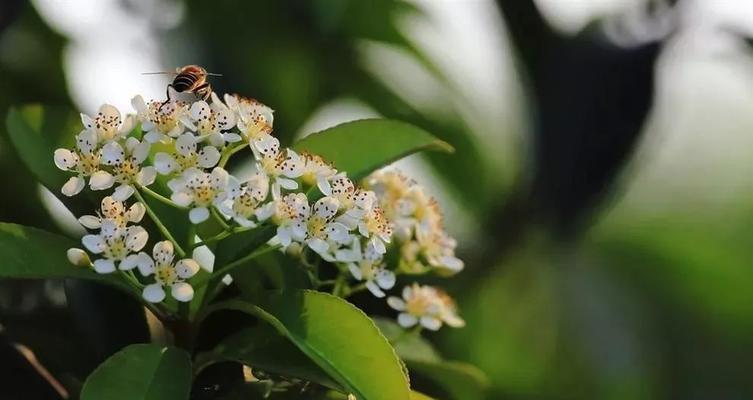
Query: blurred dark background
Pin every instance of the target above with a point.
(600, 192)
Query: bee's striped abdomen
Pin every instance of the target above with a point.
(184, 82)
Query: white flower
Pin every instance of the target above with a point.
(199, 190)
(78, 257)
(114, 243)
(420, 304)
(372, 225)
(166, 273)
(317, 172)
(290, 215)
(254, 119)
(125, 163)
(213, 120)
(367, 267)
(116, 211)
(106, 124)
(162, 121)
(186, 156)
(322, 232)
(243, 199)
(439, 250)
(281, 166)
(84, 160)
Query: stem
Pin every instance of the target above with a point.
(220, 219)
(355, 289)
(131, 278)
(338, 287)
(222, 235)
(162, 228)
(227, 268)
(161, 198)
(232, 150)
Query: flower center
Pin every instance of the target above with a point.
(245, 205)
(126, 171)
(203, 195)
(165, 274)
(88, 163)
(187, 161)
(116, 248)
(317, 227)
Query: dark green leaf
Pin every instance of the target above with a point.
(267, 350)
(458, 380)
(141, 372)
(32, 253)
(35, 133)
(362, 146)
(338, 337)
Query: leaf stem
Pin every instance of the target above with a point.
(227, 268)
(161, 198)
(229, 152)
(220, 219)
(162, 228)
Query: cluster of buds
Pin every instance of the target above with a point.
(313, 206)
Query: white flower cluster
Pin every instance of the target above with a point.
(425, 305)
(312, 205)
(423, 242)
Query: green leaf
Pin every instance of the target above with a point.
(31, 253)
(458, 380)
(35, 132)
(338, 337)
(362, 146)
(141, 372)
(414, 395)
(265, 349)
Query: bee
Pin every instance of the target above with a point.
(188, 79)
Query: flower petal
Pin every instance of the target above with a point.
(65, 159)
(186, 268)
(136, 212)
(198, 215)
(385, 279)
(90, 221)
(182, 291)
(374, 289)
(431, 323)
(185, 144)
(136, 238)
(73, 186)
(101, 180)
(164, 163)
(130, 262)
(113, 153)
(355, 270)
(94, 243)
(182, 199)
(153, 293)
(146, 176)
(104, 266)
(140, 152)
(208, 157)
(396, 303)
(123, 192)
(406, 320)
(146, 264)
(163, 252)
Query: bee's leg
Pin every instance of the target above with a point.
(167, 94)
(204, 91)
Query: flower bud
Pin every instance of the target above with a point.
(78, 257)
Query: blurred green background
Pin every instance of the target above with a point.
(600, 192)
